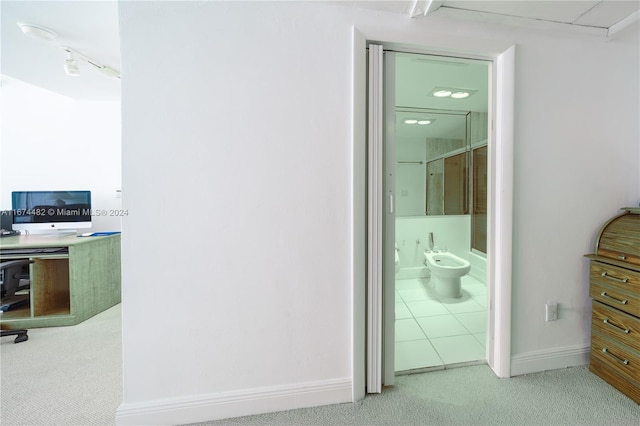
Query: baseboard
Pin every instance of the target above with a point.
(478, 267)
(553, 359)
(223, 405)
(413, 272)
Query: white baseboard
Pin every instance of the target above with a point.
(224, 405)
(553, 359)
(478, 267)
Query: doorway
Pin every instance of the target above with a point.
(441, 123)
(380, 321)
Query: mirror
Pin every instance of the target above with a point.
(441, 153)
(432, 150)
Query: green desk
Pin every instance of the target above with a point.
(68, 286)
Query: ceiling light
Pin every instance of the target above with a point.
(410, 121)
(452, 92)
(460, 95)
(71, 65)
(424, 122)
(442, 93)
(36, 31)
(75, 56)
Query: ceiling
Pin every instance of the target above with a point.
(597, 16)
(91, 28)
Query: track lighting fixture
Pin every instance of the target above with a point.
(70, 65)
(74, 55)
(71, 62)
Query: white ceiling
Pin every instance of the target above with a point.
(91, 27)
(595, 14)
(599, 15)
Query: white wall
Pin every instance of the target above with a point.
(577, 144)
(237, 117)
(450, 232)
(51, 142)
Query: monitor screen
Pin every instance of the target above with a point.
(51, 210)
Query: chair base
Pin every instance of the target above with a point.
(21, 335)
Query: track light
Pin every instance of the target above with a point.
(73, 54)
(71, 65)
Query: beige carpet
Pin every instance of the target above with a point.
(474, 396)
(73, 376)
(64, 375)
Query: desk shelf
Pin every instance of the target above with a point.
(66, 289)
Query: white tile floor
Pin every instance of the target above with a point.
(433, 332)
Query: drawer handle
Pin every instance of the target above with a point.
(624, 330)
(616, 357)
(620, 301)
(618, 280)
(621, 257)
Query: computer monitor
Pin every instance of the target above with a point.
(52, 211)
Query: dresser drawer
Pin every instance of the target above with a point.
(614, 286)
(620, 239)
(619, 358)
(617, 325)
(625, 385)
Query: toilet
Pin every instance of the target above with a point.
(446, 270)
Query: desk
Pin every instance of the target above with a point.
(69, 286)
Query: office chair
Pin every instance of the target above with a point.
(12, 274)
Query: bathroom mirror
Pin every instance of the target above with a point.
(433, 159)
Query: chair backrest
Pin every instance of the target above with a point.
(12, 272)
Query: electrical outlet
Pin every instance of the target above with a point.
(551, 311)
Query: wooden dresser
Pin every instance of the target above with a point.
(614, 286)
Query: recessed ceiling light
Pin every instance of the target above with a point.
(442, 93)
(410, 121)
(460, 95)
(424, 122)
(37, 31)
(453, 92)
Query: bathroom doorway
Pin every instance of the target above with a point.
(380, 288)
(441, 123)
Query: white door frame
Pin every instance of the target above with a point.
(500, 199)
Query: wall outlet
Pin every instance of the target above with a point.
(551, 311)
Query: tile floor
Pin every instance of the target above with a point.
(433, 332)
